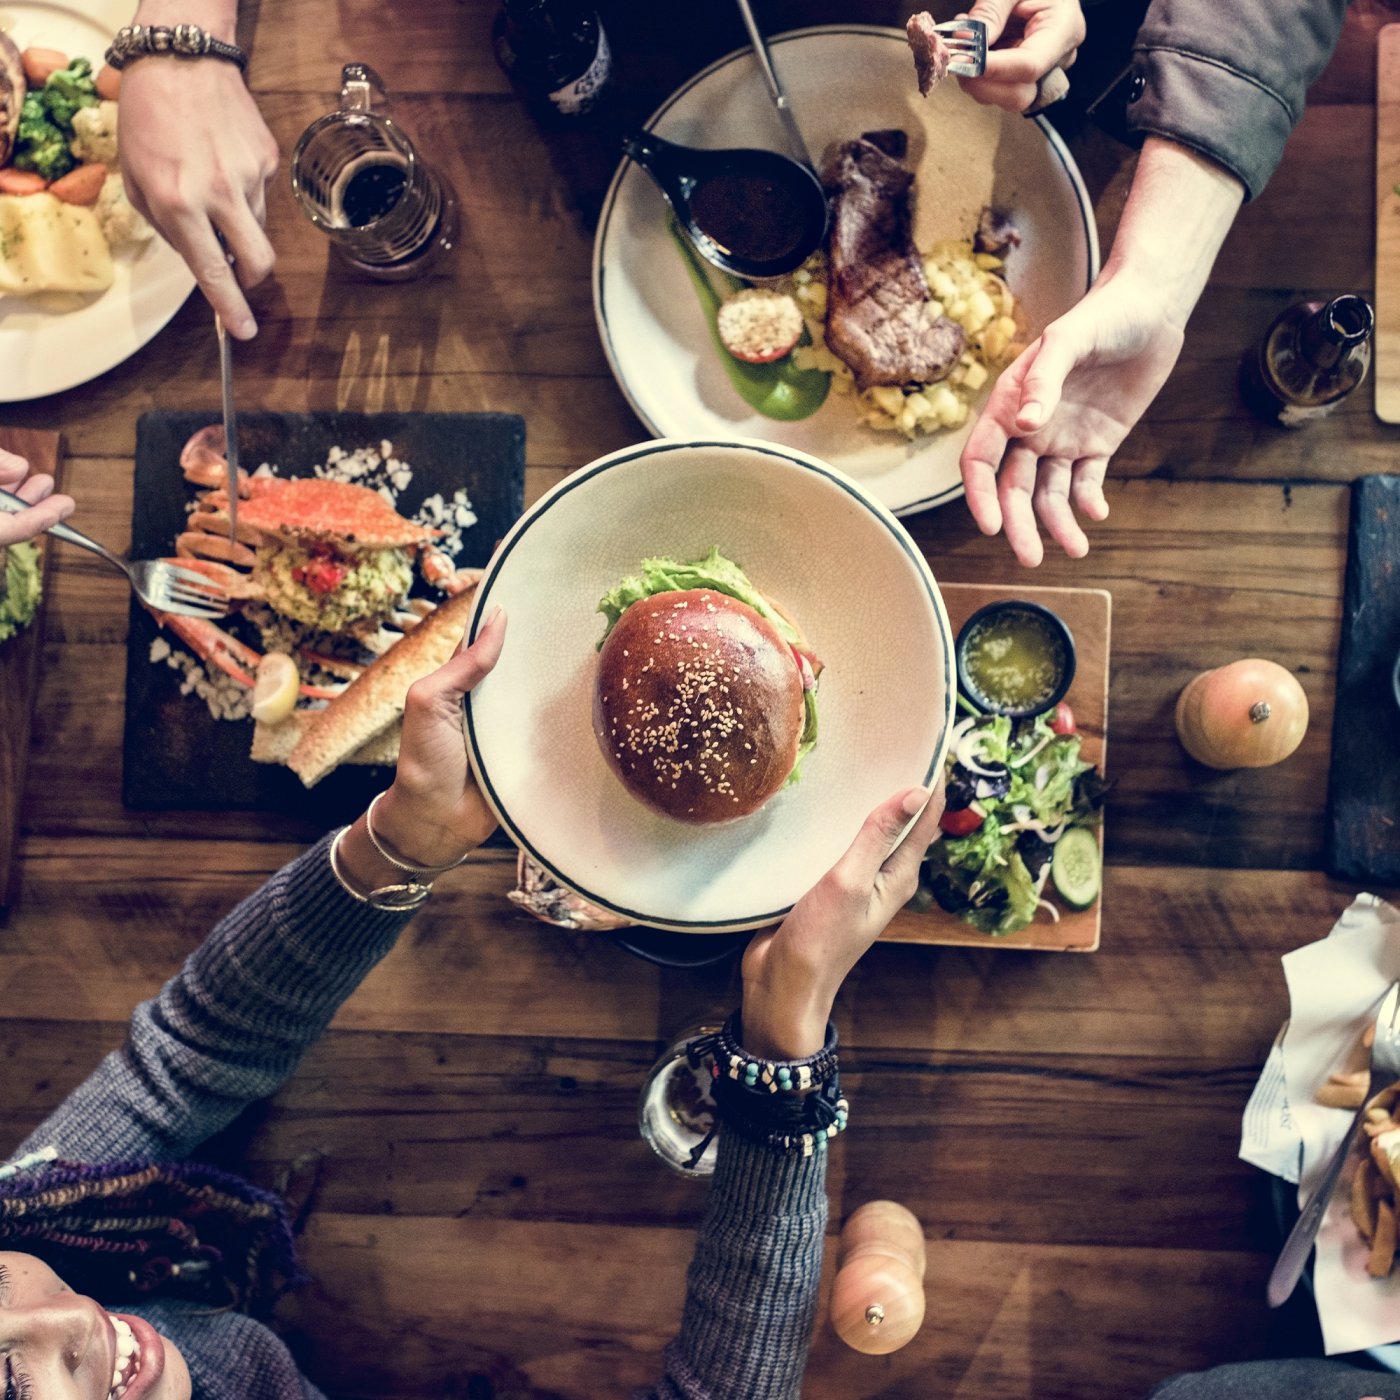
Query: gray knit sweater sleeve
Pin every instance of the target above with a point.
(231, 1025)
(751, 1293)
(1228, 80)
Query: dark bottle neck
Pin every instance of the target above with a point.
(545, 27)
(1329, 336)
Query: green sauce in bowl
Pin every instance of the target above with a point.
(1015, 658)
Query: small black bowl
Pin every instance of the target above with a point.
(666, 949)
(1054, 626)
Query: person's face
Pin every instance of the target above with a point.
(57, 1345)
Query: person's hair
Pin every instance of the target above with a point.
(127, 1230)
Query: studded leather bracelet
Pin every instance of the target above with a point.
(135, 41)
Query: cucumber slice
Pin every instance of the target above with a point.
(1075, 868)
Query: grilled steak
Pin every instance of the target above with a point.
(877, 317)
(11, 96)
(931, 56)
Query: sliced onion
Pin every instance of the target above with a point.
(967, 751)
(1026, 757)
(1045, 904)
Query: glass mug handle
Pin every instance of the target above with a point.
(358, 84)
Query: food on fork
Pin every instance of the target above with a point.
(931, 55)
(705, 696)
(1373, 1205)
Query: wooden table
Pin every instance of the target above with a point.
(488, 1221)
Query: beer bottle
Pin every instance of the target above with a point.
(1309, 360)
(555, 52)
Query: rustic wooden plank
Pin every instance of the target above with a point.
(1003, 1320)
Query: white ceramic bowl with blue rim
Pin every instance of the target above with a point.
(841, 80)
(809, 537)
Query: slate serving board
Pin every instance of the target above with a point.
(175, 753)
(1363, 789)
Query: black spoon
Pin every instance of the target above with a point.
(753, 213)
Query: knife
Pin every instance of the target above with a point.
(230, 424)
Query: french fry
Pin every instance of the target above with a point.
(1382, 1160)
(1383, 1242)
(1363, 1200)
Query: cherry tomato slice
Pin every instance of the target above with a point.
(962, 822)
(1063, 720)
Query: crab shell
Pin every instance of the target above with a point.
(299, 509)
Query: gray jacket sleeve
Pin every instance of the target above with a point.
(231, 1025)
(751, 1293)
(1229, 79)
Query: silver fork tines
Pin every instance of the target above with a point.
(967, 42)
(167, 587)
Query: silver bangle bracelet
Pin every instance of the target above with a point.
(398, 862)
(388, 899)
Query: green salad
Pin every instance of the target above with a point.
(19, 588)
(1021, 808)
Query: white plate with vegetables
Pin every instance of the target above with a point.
(102, 295)
(654, 316)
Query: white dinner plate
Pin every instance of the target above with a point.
(53, 341)
(842, 80)
(810, 538)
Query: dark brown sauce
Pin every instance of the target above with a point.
(749, 216)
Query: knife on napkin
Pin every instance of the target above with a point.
(230, 424)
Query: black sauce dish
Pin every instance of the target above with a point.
(1034, 619)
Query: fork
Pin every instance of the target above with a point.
(166, 587)
(1385, 1070)
(966, 41)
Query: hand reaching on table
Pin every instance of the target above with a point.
(1058, 413)
(1041, 445)
(792, 974)
(196, 159)
(46, 507)
(1031, 38)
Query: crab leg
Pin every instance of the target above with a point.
(214, 645)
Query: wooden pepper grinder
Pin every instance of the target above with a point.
(877, 1299)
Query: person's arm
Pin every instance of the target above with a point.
(196, 158)
(1042, 444)
(46, 507)
(234, 1022)
(751, 1293)
(1229, 80)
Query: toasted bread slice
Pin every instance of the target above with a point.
(375, 698)
(273, 743)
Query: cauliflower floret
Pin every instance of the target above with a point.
(95, 134)
(120, 221)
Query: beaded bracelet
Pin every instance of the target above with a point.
(805, 1124)
(775, 1076)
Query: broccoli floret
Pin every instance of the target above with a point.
(41, 146)
(68, 91)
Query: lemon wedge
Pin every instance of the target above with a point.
(275, 689)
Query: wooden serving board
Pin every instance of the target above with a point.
(1387, 350)
(19, 670)
(1087, 612)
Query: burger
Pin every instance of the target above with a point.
(705, 703)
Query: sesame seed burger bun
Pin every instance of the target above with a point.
(698, 705)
